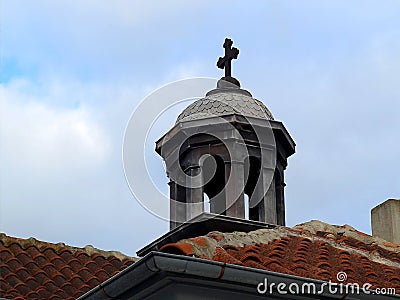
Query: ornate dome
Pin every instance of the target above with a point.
(225, 101)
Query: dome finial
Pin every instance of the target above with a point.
(230, 53)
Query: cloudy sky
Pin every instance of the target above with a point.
(72, 72)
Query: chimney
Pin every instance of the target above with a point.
(385, 220)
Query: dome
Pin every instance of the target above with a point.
(225, 101)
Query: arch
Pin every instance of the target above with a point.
(217, 182)
(252, 168)
(214, 182)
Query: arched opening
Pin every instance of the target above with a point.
(213, 170)
(246, 206)
(252, 169)
(206, 204)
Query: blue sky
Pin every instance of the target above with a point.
(72, 73)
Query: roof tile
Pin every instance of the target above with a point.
(312, 250)
(31, 269)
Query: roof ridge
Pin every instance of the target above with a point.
(59, 247)
(207, 245)
(315, 226)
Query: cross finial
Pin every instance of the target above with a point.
(230, 53)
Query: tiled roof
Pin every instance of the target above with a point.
(225, 103)
(311, 250)
(31, 269)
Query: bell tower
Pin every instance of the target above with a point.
(228, 147)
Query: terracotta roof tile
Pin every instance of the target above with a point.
(31, 269)
(312, 250)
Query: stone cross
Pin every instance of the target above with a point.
(230, 53)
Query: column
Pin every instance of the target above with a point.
(177, 207)
(264, 198)
(234, 185)
(194, 193)
(270, 215)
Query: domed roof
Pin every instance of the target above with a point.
(225, 101)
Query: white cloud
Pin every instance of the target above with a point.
(60, 163)
(41, 137)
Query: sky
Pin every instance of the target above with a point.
(72, 74)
